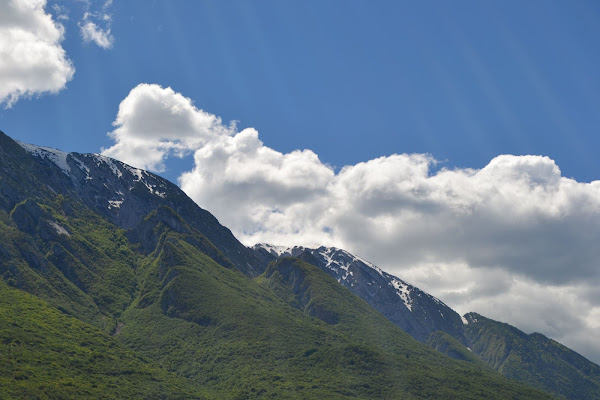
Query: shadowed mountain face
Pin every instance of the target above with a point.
(115, 284)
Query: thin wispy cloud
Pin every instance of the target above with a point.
(95, 26)
(61, 12)
(90, 32)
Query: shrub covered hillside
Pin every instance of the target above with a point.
(101, 300)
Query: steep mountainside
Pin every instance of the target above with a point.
(235, 334)
(46, 354)
(114, 190)
(532, 359)
(416, 312)
(114, 282)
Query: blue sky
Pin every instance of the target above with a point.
(453, 144)
(463, 81)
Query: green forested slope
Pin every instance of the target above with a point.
(234, 336)
(533, 359)
(46, 354)
(157, 310)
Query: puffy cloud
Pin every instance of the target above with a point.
(515, 240)
(32, 60)
(260, 183)
(517, 213)
(154, 122)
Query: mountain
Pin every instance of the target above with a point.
(416, 312)
(531, 359)
(113, 190)
(47, 354)
(117, 285)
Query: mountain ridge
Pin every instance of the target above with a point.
(123, 194)
(579, 379)
(413, 310)
(159, 275)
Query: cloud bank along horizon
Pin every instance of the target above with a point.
(515, 240)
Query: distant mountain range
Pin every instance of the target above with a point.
(115, 284)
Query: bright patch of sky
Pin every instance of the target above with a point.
(450, 143)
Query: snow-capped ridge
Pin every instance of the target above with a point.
(416, 312)
(98, 158)
(58, 157)
(341, 259)
(85, 163)
(343, 264)
(141, 176)
(277, 251)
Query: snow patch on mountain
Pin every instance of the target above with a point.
(134, 171)
(114, 203)
(403, 291)
(55, 156)
(82, 167)
(59, 229)
(336, 259)
(469, 318)
(143, 177)
(108, 161)
(277, 251)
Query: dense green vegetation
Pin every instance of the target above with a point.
(444, 343)
(209, 324)
(533, 359)
(88, 271)
(46, 354)
(91, 310)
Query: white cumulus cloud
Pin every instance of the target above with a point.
(32, 60)
(154, 122)
(515, 240)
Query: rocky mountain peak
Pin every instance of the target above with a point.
(119, 192)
